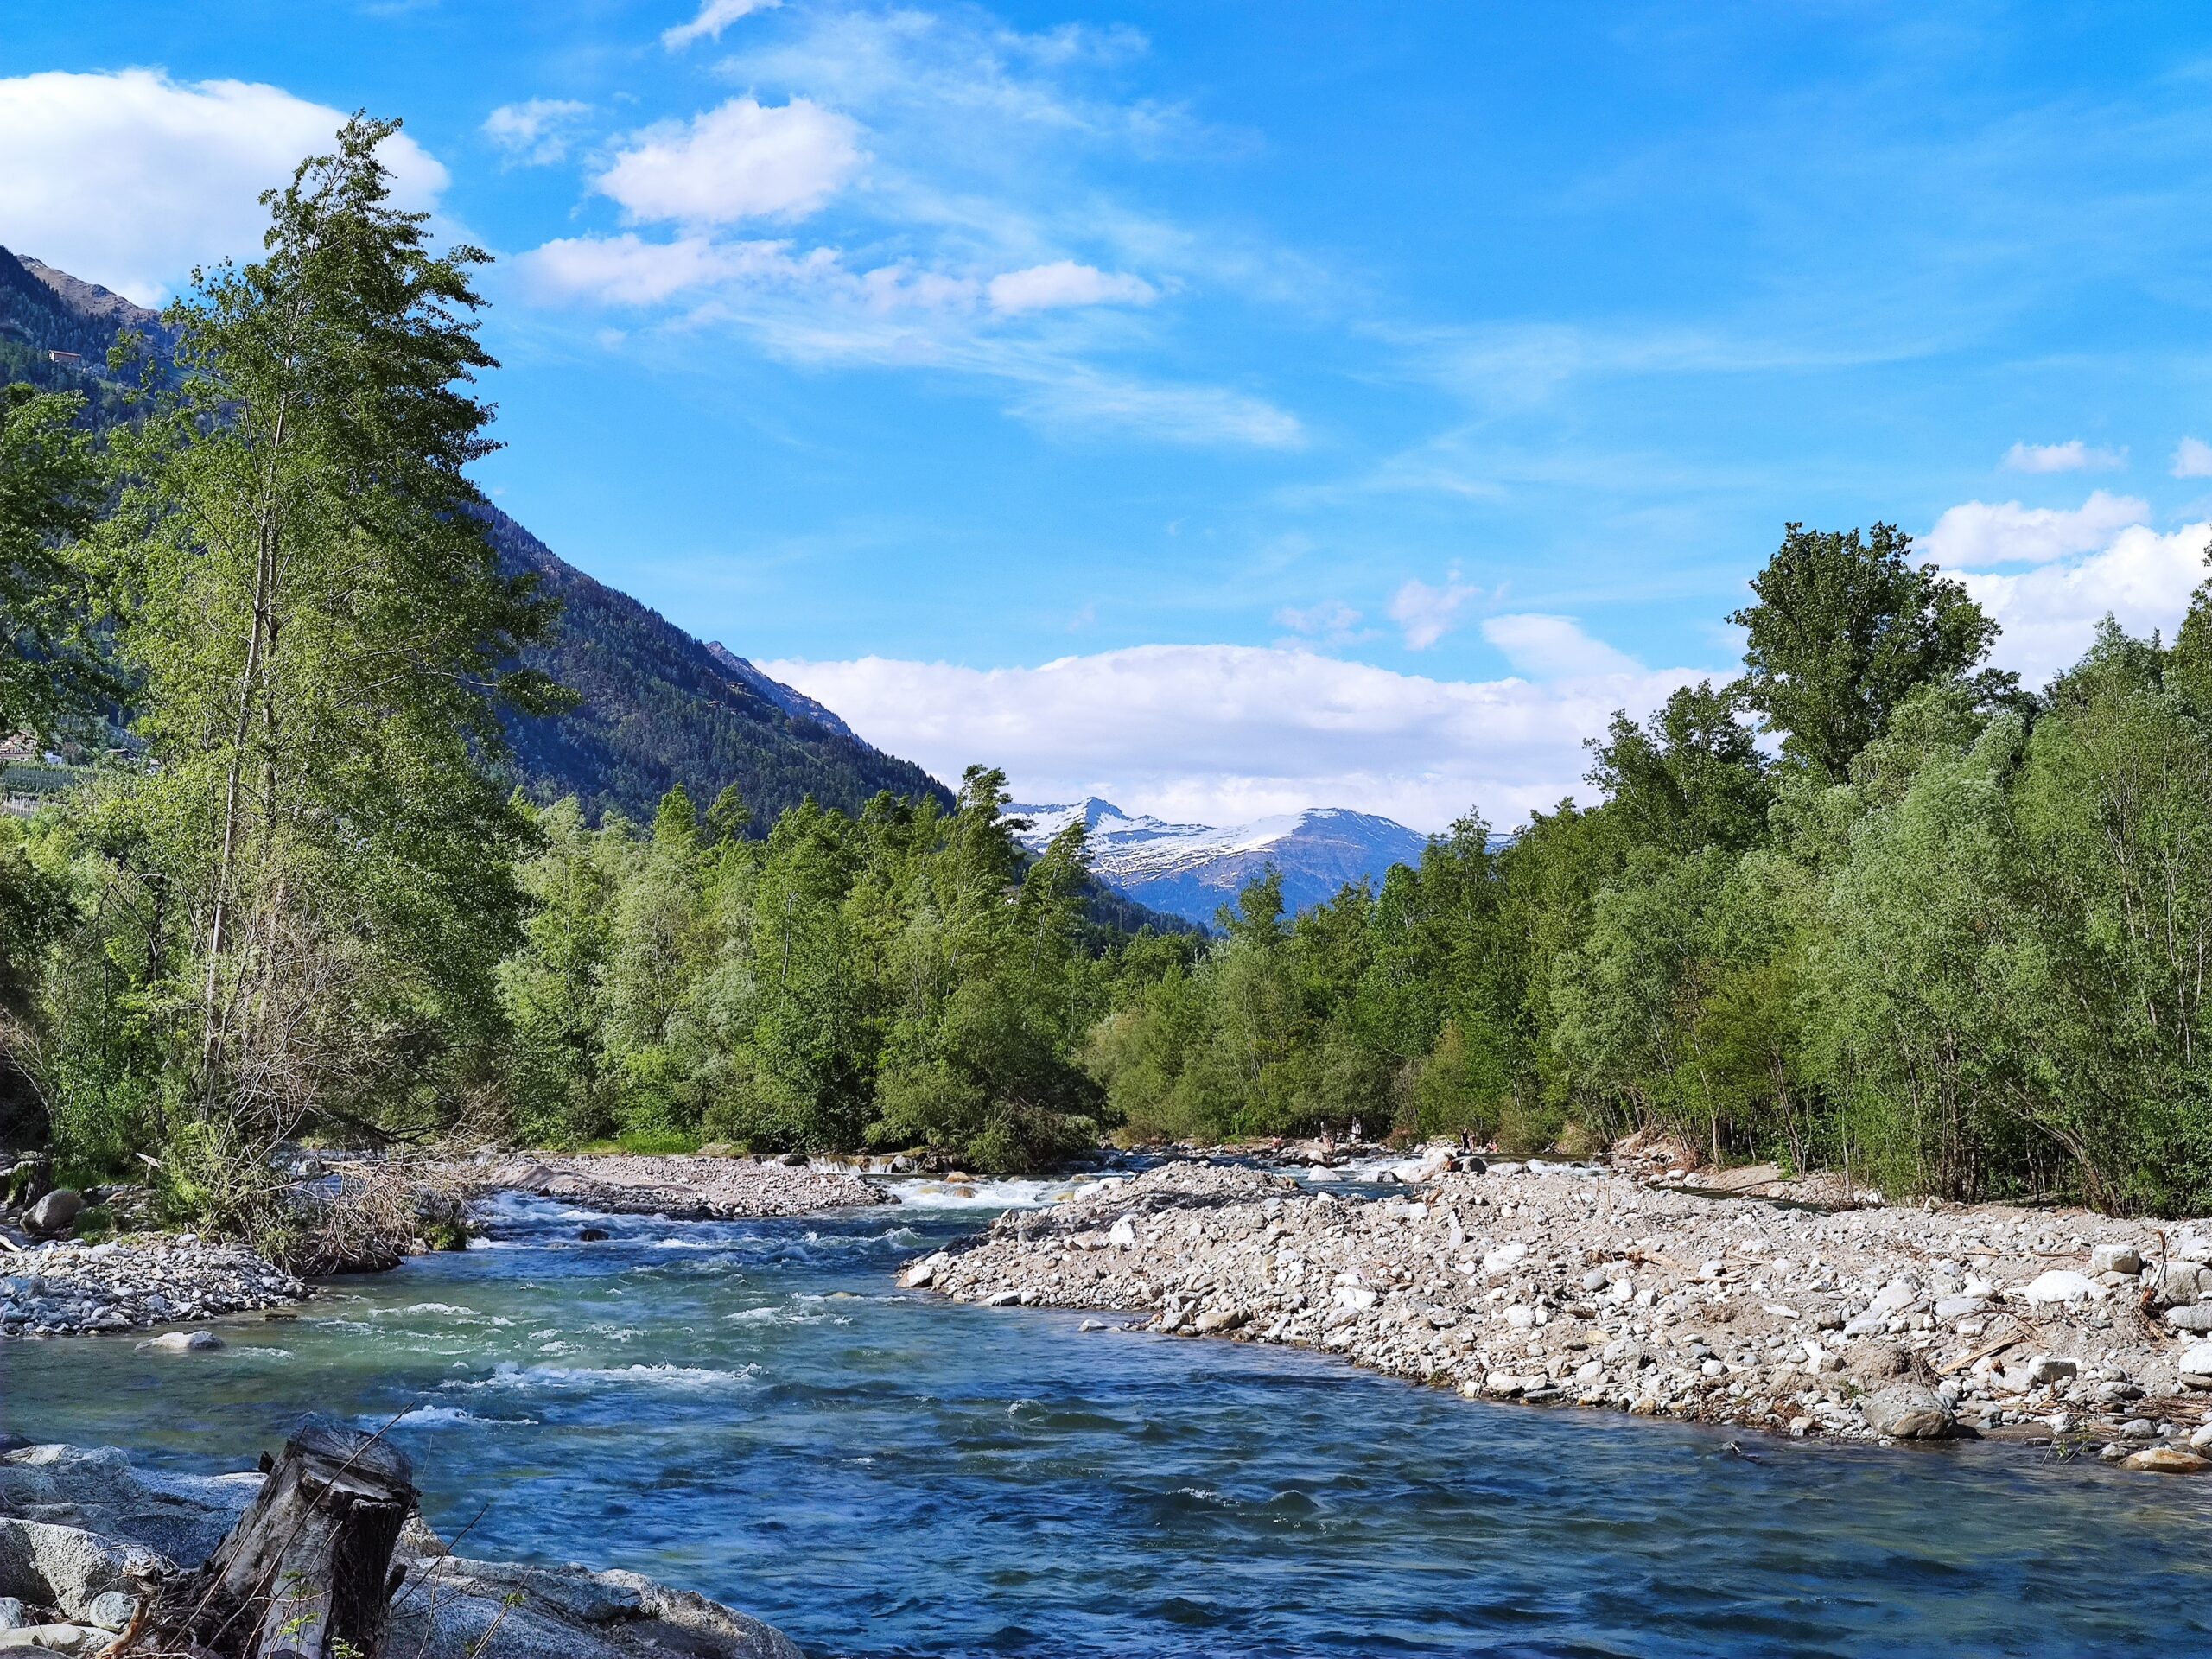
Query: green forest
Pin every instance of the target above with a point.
(1868, 906)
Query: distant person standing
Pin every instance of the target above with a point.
(1355, 1131)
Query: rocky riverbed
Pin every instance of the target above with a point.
(682, 1188)
(83, 1535)
(75, 1289)
(1558, 1284)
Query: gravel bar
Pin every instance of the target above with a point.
(1564, 1284)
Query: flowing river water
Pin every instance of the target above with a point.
(750, 1409)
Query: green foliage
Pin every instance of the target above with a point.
(1846, 629)
(906, 979)
(50, 664)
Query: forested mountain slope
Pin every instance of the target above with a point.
(659, 709)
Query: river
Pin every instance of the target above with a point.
(750, 1409)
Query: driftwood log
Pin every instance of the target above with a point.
(306, 1573)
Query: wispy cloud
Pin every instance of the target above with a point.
(2072, 456)
(942, 162)
(715, 16)
(2193, 459)
(1330, 622)
(1424, 613)
(1065, 283)
(537, 132)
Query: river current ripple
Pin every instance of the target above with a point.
(750, 1409)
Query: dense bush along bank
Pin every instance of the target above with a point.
(1939, 932)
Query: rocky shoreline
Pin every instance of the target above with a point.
(85, 1537)
(1549, 1283)
(71, 1288)
(697, 1187)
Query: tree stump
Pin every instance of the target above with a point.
(307, 1572)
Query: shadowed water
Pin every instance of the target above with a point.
(750, 1409)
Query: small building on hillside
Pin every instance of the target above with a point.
(67, 359)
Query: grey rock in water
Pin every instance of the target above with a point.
(187, 1342)
(55, 1213)
(1907, 1411)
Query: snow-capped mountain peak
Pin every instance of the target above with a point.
(1191, 870)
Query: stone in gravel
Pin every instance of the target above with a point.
(187, 1342)
(1124, 1234)
(2062, 1285)
(2196, 1318)
(55, 1213)
(1219, 1319)
(1906, 1411)
(920, 1273)
(2115, 1258)
(1961, 1307)
(2180, 1283)
(2166, 1460)
(2049, 1368)
(2194, 1365)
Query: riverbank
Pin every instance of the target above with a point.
(84, 1535)
(682, 1186)
(1564, 1284)
(69, 1289)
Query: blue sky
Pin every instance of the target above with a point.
(1226, 407)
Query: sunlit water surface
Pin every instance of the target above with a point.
(750, 1409)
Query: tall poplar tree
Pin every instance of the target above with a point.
(325, 639)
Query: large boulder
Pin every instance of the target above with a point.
(1907, 1411)
(56, 1213)
(452, 1608)
(69, 1569)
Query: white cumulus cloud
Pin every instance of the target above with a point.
(2073, 456)
(1975, 534)
(1222, 733)
(1063, 283)
(131, 178)
(2193, 459)
(1554, 647)
(536, 131)
(715, 16)
(741, 159)
(2049, 614)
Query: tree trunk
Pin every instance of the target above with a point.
(306, 1573)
